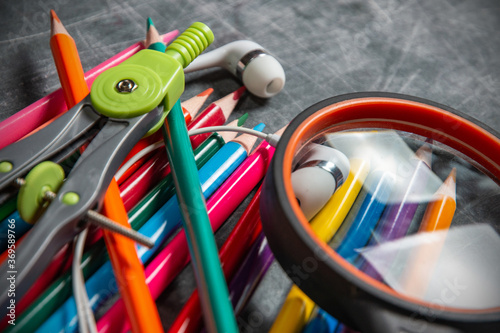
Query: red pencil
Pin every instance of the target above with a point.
(215, 114)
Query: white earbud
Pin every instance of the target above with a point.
(259, 71)
(322, 170)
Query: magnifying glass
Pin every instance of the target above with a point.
(410, 240)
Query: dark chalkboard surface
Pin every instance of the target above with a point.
(443, 50)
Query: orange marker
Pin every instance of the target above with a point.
(129, 272)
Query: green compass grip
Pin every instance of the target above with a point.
(157, 77)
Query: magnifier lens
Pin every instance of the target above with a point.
(388, 202)
(420, 216)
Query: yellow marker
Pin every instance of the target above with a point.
(297, 307)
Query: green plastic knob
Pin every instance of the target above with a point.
(46, 176)
(113, 103)
(190, 43)
(70, 198)
(5, 167)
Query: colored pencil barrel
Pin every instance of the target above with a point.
(219, 316)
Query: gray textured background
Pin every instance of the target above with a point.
(443, 50)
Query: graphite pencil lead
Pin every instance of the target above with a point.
(194, 104)
(228, 102)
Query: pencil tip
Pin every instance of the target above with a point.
(247, 141)
(194, 104)
(150, 23)
(206, 92)
(56, 26)
(228, 102)
(228, 136)
(53, 16)
(281, 130)
(453, 174)
(153, 39)
(424, 153)
(242, 119)
(238, 93)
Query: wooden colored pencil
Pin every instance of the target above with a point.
(239, 241)
(321, 322)
(439, 213)
(69, 66)
(381, 185)
(129, 272)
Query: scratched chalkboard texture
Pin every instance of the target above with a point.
(443, 50)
